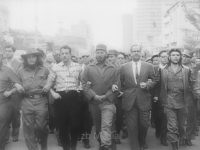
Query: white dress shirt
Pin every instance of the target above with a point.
(134, 69)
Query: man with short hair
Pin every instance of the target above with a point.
(158, 115)
(14, 65)
(163, 58)
(101, 76)
(65, 77)
(136, 99)
(9, 83)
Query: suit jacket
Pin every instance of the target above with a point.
(132, 91)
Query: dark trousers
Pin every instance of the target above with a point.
(119, 115)
(191, 122)
(137, 122)
(68, 118)
(6, 109)
(159, 119)
(16, 117)
(176, 119)
(87, 117)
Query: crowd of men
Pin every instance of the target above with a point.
(119, 95)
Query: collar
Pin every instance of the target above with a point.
(138, 62)
(178, 70)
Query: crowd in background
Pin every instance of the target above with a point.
(120, 95)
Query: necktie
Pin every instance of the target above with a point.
(136, 72)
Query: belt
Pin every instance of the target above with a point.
(34, 96)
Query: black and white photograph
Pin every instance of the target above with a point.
(99, 74)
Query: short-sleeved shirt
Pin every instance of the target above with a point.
(66, 77)
(175, 89)
(33, 80)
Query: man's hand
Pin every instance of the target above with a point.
(19, 88)
(115, 88)
(99, 98)
(55, 95)
(45, 90)
(7, 93)
(143, 85)
(120, 94)
(155, 99)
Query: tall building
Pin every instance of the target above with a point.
(147, 23)
(127, 32)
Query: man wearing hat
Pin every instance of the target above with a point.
(34, 104)
(112, 59)
(191, 118)
(9, 84)
(101, 77)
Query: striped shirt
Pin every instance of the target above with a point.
(65, 77)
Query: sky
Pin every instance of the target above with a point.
(103, 16)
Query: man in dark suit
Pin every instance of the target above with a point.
(136, 100)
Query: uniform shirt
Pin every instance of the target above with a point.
(175, 96)
(65, 77)
(7, 79)
(100, 79)
(33, 81)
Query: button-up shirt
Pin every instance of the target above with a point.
(65, 77)
(134, 69)
(175, 97)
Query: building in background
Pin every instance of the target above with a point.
(79, 37)
(127, 32)
(147, 23)
(179, 30)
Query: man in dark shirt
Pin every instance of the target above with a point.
(9, 84)
(100, 77)
(175, 89)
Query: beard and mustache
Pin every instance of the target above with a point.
(101, 59)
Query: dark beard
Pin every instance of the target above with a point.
(174, 63)
(32, 67)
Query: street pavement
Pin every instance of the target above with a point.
(153, 143)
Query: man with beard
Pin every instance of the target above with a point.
(136, 99)
(14, 65)
(101, 77)
(65, 77)
(9, 83)
(175, 88)
(34, 104)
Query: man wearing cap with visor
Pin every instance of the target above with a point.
(101, 76)
(34, 105)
